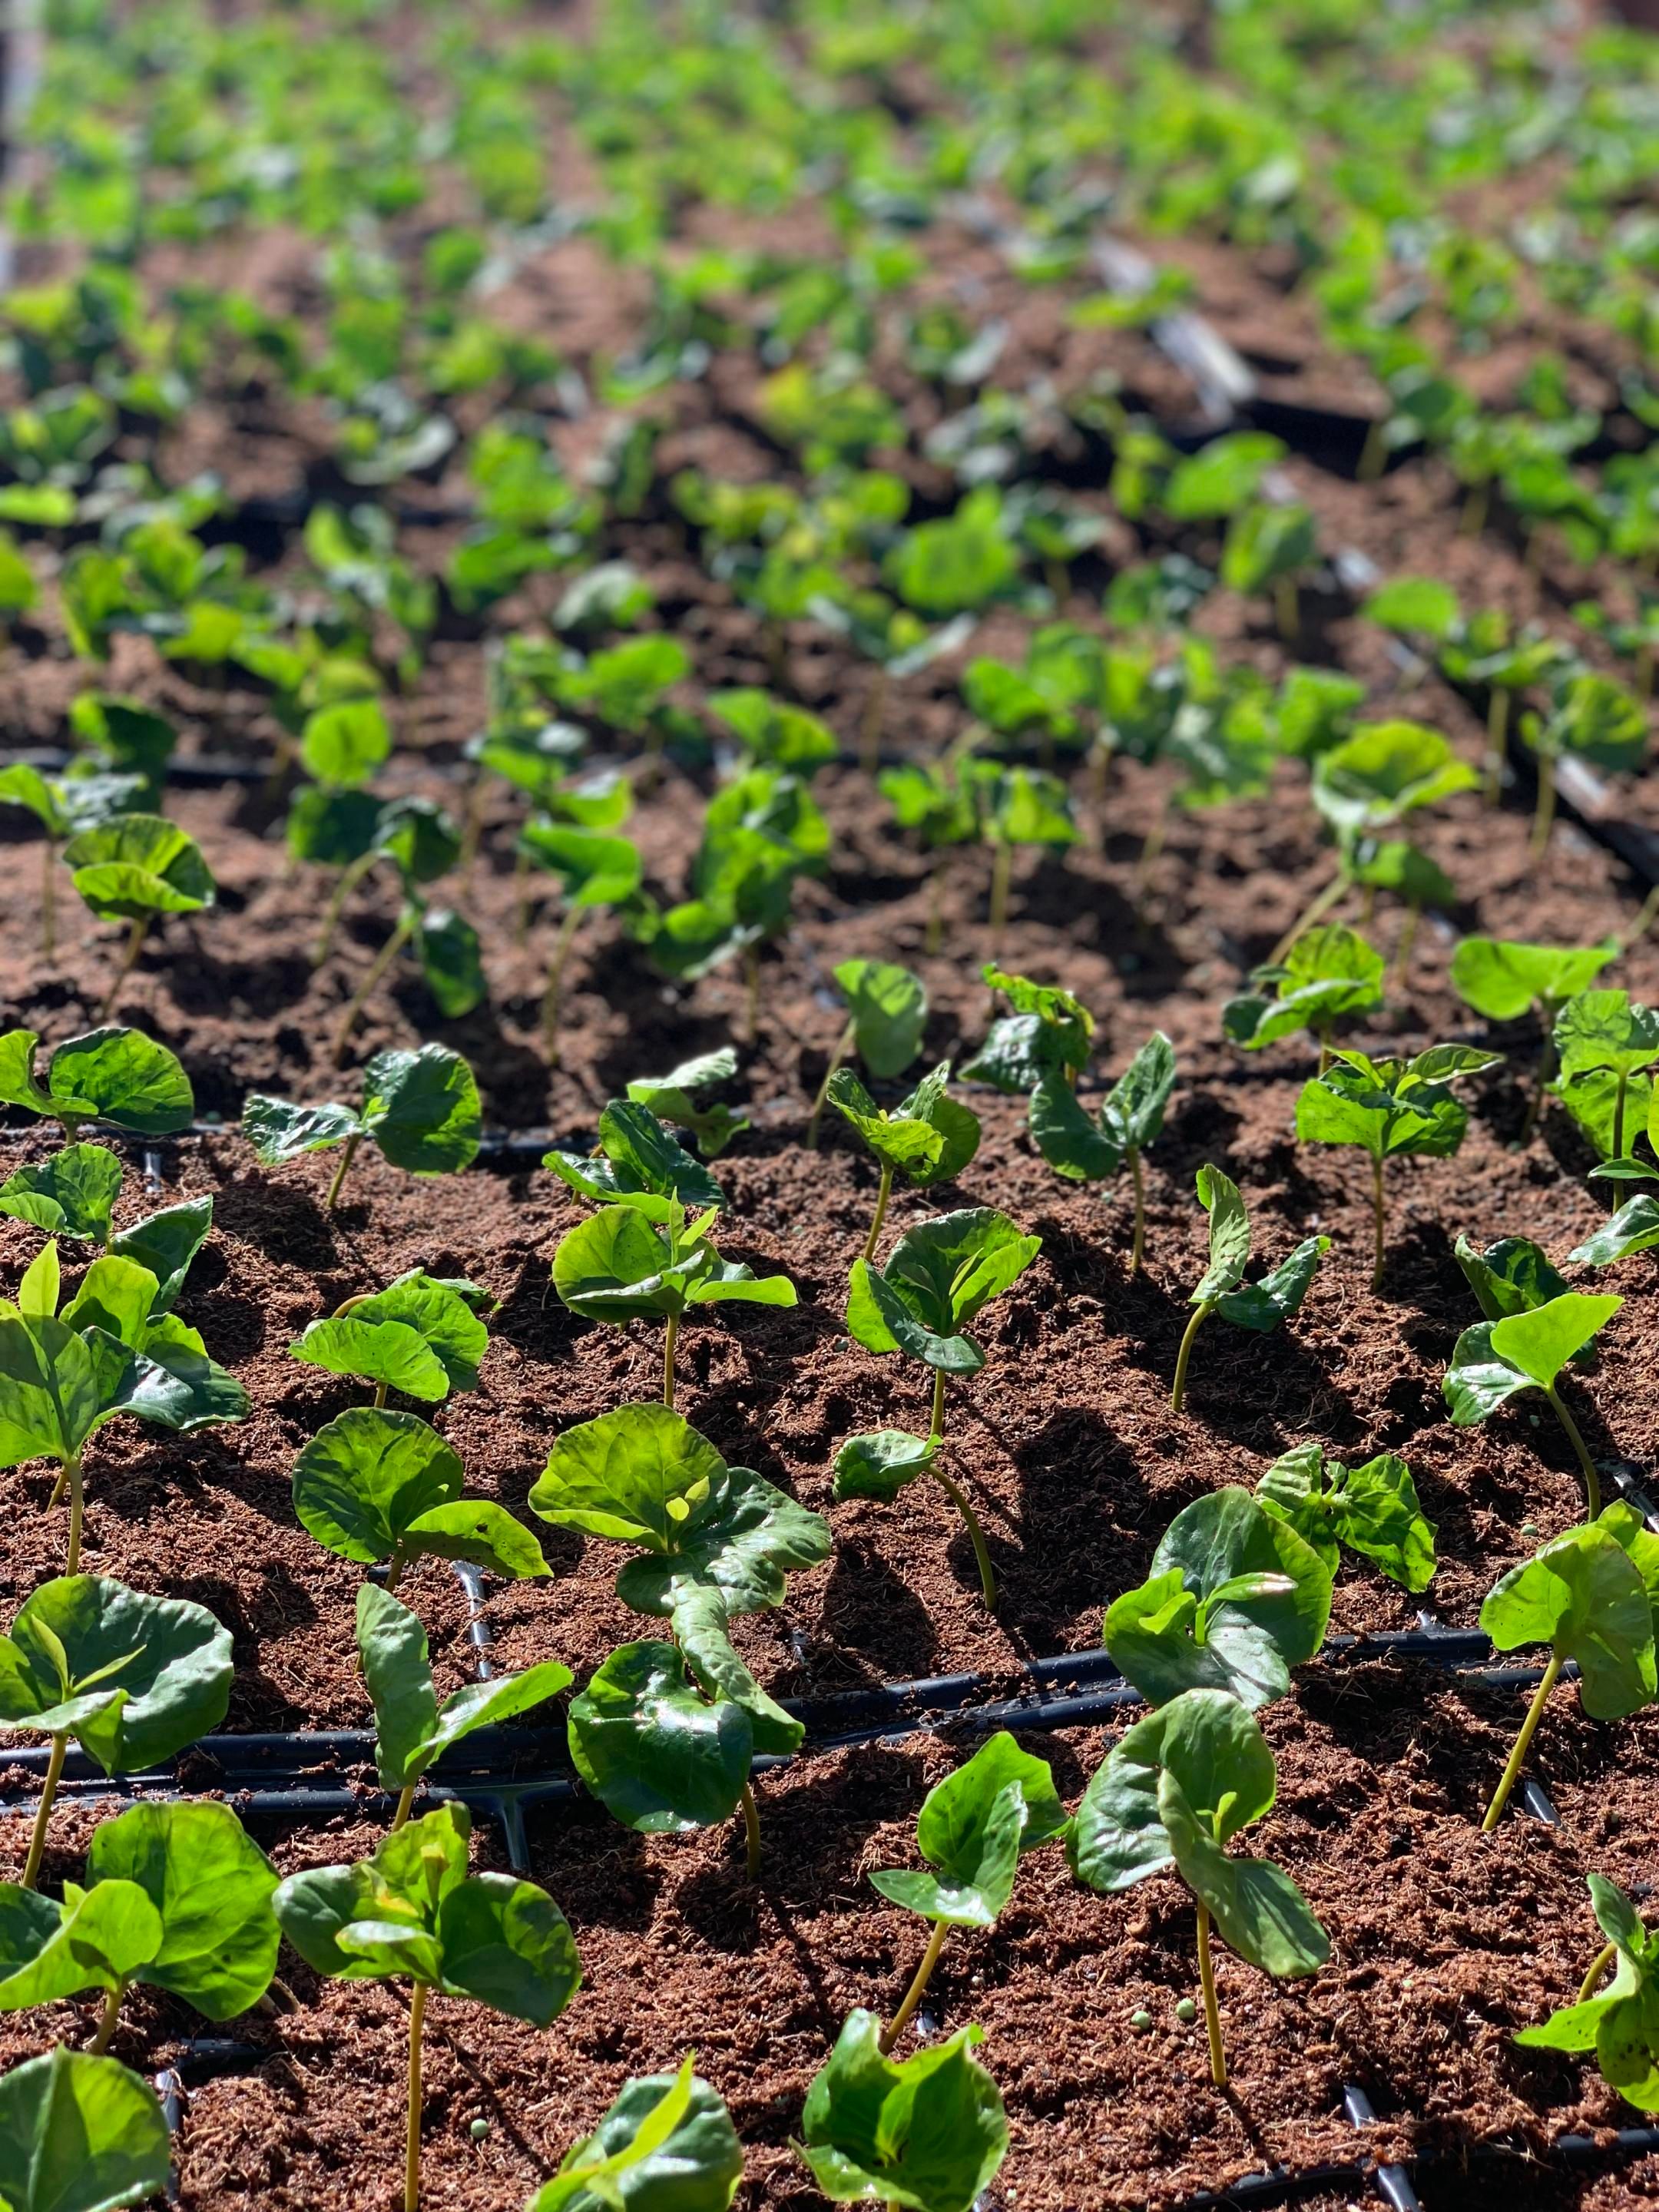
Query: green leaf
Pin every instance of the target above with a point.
(413, 1909)
(131, 1678)
(637, 1159)
(1633, 1228)
(1233, 1600)
(1135, 1108)
(1511, 1276)
(79, 2134)
(1389, 1107)
(1542, 1342)
(595, 869)
(452, 961)
(422, 1110)
(210, 1886)
(927, 2133)
(1229, 1236)
(1422, 604)
(96, 1939)
(882, 1463)
(888, 1012)
(1048, 1031)
(1383, 771)
(882, 1317)
(138, 865)
(1583, 1596)
(666, 2145)
(974, 1828)
(1502, 979)
(657, 1757)
(1069, 1137)
(367, 1476)
(702, 1630)
(73, 1194)
(1258, 1909)
(1372, 1509)
(1215, 1752)
(120, 1076)
(675, 1098)
(742, 1539)
(280, 1131)
(1604, 1030)
(166, 1242)
(486, 1533)
(1264, 1305)
(17, 1085)
(1327, 973)
(614, 1267)
(387, 1352)
(344, 745)
(636, 1475)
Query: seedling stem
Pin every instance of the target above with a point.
(750, 1831)
(1315, 912)
(1379, 1217)
(669, 1335)
(377, 968)
(77, 1513)
(1523, 1744)
(43, 1811)
(412, 2155)
(844, 1045)
(1178, 1393)
(1139, 1175)
(882, 1197)
(1598, 1967)
(1586, 1464)
(1212, 2010)
(346, 1158)
(136, 937)
(106, 2022)
(405, 1802)
(913, 1996)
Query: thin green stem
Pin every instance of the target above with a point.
(111, 2014)
(844, 1045)
(1002, 870)
(751, 1840)
(49, 899)
(346, 1158)
(394, 1573)
(1212, 2009)
(350, 876)
(380, 1396)
(377, 968)
(917, 1990)
(1543, 816)
(43, 1811)
(412, 2151)
(77, 1512)
(936, 1431)
(987, 1581)
(1379, 1221)
(1138, 1173)
(1314, 912)
(1619, 1114)
(670, 1337)
(1644, 921)
(1178, 1390)
(1586, 1464)
(1497, 725)
(136, 937)
(1598, 1967)
(552, 999)
(1374, 451)
(1151, 847)
(882, 1197)
(1523, 1744)
(405, 1805)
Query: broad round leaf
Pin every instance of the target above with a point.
(79, 2134)
(636, 1475)
(422, 1110)
(211, 1885)
(928, 2132)
(659, 1759)
(124, 1077)
(364, 1478)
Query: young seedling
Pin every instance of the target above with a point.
(1590, 1595)
(1635, 1226)
(413, 1910)
(380, 1487)
(596, 870)
(1047, 1038)
(1620, 2025)
(114, 1075)
(667, 2139)
(79, 2133)
(138, 868)
(887, 1011)
(974, 1829)
(1328, 974)
(412, 1731)
(1234, 1599)
(939, 1277)
(1172, 1794)
(1016, 807)
(1592, 717)
(928, 1137)
(1527, 1349)
(1603, 1043)
(1267, 547)
(717, 1541)
(64, 806)
(636, 1163)
(1262, 1306)
(112, 1350)
(423, 844)
(930, 799)
(676, 1098)
(1372, 1509)
(130, 1678)
(421, 1110)
(423, 1334)
(1390, 1110)
(771, 731)
(73, 1194)
(618, 1266)
(1503, 979)
(178, 1896)
(1131, 1118)
(928, 2132)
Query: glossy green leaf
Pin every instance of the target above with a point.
(1327, 973)
(1633, 1228)
(80, 2134)
(888, 1006)
(367, 1476)
(1582, 1595)
(1502, 979)
(138, 865)
(666, 2145)
(72, 1194)
(120, 1076)
(1512, 1276)
(1373, 1509)
(927, 2133)
(1212, 1747)
(211, 1887)
(280, 1131)
(1229, 1236)
(422, 1110)
(657, 1757)
(882, 1463)
(974, 1827)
